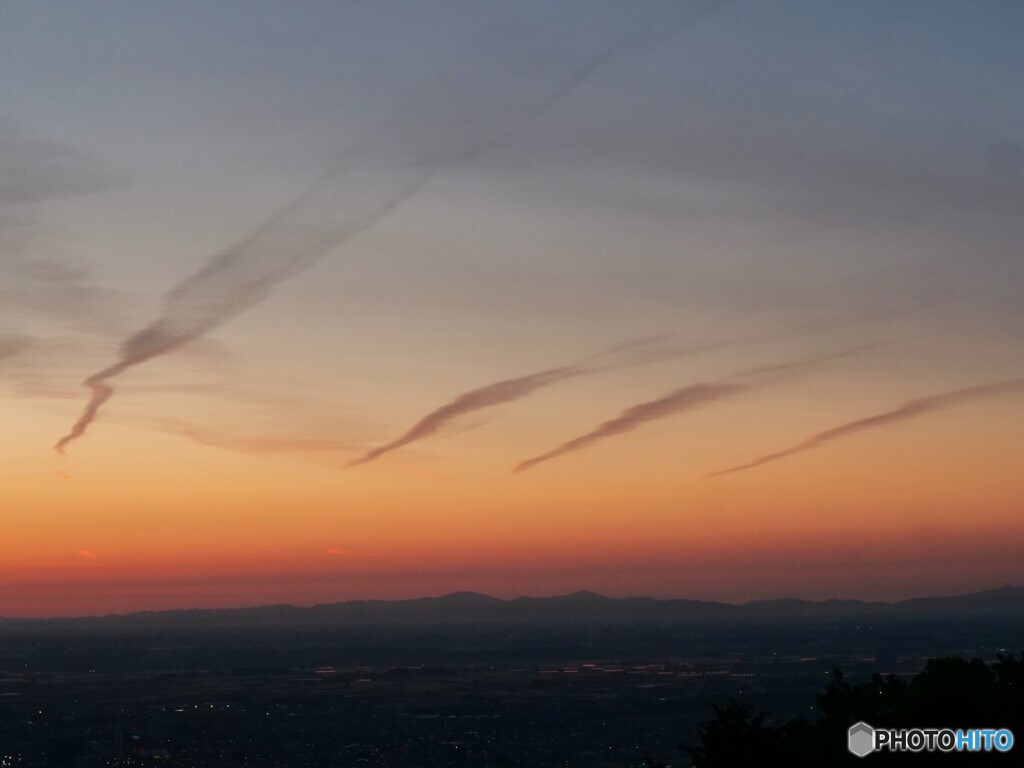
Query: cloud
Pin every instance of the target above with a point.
(656, 348)
(770, 372)
(519, 76)
(487, 396)
(642, 351)
(52, 291)
(87, 553)
(34, 169)
(261, 445)
(13, 345)
(912, 409)
(684, 399)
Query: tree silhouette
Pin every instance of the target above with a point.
(949, 692)
(735, 737)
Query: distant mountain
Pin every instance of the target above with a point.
(1008, 599)
(579, 607)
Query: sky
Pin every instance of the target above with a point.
(312, 302)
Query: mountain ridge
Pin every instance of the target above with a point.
(580, 606)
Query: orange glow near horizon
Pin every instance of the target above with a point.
(192, 526)
(172, 524)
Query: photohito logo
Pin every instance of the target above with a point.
(862, 739)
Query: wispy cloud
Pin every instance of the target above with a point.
(765, 373)
(34, 169)
(13, 345)
(520, 76)
(642, 351)
(50, 292)
(262, 445)
(483, 397)
(683, 399)
(912, 409)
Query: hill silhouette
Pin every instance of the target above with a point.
(582, 606)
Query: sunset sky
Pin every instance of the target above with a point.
(717, 300)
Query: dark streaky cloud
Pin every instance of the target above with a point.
(680, 400)
(642, 351)
(684, 399)
(483, 397)
(918, 407)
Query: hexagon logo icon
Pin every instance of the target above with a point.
(860, 739)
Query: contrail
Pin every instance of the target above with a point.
(778, 370)
(101, 392)
(909, 410)
(643, 351)
(474, 108)
(483, 397)
(683, 399)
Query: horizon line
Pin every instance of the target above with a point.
(472, 593)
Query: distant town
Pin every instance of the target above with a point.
(582, 681)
